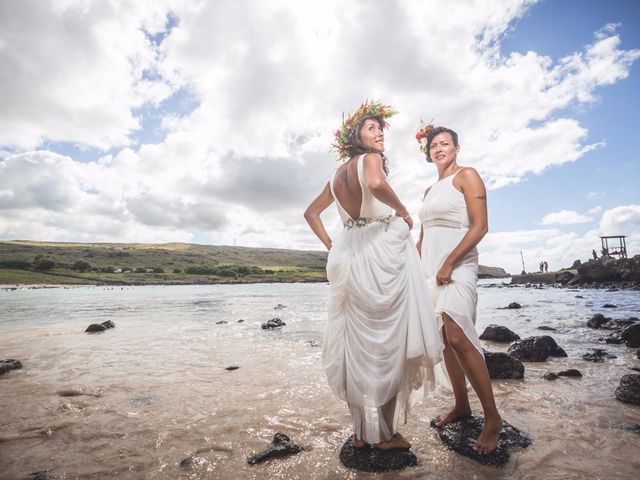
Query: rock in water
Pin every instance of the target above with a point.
(609, 305)
(597, 320)
(10, 364)
(281, 445)
(108, 324)
(514, 305)
(597, 355)
(273, 323)
(460, 436)
(95, 327)
(536, 349)
(631, 335)
(550, 376)
(572, 372)
(502, 365)
(498, 333)
(370, 459)
(629, 389)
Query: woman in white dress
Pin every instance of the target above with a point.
(381, 340)
(453, 221)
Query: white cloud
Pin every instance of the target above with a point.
(565, 217)
(270, 80)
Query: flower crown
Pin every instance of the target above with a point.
(345, 136)
(422, 137)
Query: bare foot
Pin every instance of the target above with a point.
(451, 416)
(358, 443)
(488, 439)
(397, 441)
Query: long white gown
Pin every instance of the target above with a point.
(381, 340)
(445, 220)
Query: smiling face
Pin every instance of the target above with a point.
(443, 150)
(372, 135)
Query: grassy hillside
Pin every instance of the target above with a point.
(171, 261)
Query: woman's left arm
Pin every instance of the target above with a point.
(475, 196)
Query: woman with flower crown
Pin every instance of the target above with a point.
(453, 220)
(381, 339)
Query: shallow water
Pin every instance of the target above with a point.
(134, 401)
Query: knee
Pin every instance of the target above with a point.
(458, 341)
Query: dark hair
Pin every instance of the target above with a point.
(437, 131)
(357, 148)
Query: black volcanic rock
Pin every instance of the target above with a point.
(536, 349)
(598, 355)
(108, 324)
(370, 459)
(498, 333)
(95, 328)
(550, 376)
(631, 335)
(502, 365)
(571, 372)
(609, 305)
(273, 323)
(9, 364)
(460, 436)
(597, 321)
(280, 446)
(514, 305)
(629, 389)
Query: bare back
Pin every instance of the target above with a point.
(347, 189)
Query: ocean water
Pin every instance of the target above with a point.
(134, 401)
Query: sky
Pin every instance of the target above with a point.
(210, 121)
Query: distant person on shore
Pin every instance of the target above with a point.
(541, 267)
(546, 267)
(453, 220)
(595, 255)
(382, 339)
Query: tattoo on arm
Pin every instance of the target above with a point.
(480, 197)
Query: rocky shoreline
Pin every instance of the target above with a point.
(602, 273)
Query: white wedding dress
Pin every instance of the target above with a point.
(445, 220)
(382, 339)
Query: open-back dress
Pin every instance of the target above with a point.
(382, 339)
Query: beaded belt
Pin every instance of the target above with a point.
(364, 221)
(442, 223)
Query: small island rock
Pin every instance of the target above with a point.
(10, 364)
(536, 349)
(273, 323)
(629, 389)
(370, 459)
(281, 445)
(502, 365)
(498, 333)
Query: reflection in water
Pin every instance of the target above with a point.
(137, 400)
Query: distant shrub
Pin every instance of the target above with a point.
(177, 270)
(17, 264)
(141, 270)
(44, 264)
(81, 266)
(109, 269)
(158, 270)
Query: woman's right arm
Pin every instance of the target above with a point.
(312, 215)
(380, 188)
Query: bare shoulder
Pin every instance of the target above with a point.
(373, 159)
(468, 177)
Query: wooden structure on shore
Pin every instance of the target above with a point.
(620, 249)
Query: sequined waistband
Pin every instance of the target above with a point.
(442, 223)
(364, 221)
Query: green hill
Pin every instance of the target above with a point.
(30, 262)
